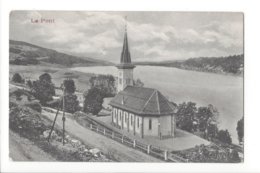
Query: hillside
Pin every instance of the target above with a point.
(22, 53)
(226, 65)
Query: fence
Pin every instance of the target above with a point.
(148, 149)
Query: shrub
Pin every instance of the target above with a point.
(17, 78)
(224, 136)
(240, 130)
(25, 122)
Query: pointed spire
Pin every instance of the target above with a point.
(125, 24)
(125, 55)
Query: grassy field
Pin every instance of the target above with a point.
(57, 72)
(22, 149)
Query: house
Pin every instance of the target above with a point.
(139, 110)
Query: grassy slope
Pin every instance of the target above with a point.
(22, 149)
(26, 51)
(50, 61)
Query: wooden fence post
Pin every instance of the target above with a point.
(134, 144)
(165, 155)
(122, 138)
(97, 128)
(148, 149)
(104, 131)
(90, 126)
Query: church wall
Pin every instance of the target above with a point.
(154, 130)
(166, 125)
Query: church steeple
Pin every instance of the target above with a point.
(125, 60)
(125, 55)
(125, 68)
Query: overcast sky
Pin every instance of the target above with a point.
(153, 36)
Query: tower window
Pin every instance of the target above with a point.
(120, 81)
(150, 124)
(137, 122)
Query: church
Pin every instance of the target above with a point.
(139, 110)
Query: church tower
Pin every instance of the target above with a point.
(125, 68)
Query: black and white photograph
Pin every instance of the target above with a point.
(126, 86)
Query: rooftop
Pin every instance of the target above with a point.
(143, 101)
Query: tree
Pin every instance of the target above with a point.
(240, 130)
(212, 131)
(69, 85)
(93, 101)
(206, 116)
(45, 77)
(17, 78)
(185, 116)
(203, 115)
(43, 89)
(71, 103)
(224, 136)
(104, 82)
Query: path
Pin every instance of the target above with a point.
(120, 152)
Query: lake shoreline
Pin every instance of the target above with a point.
(192, 70)
(199, 70)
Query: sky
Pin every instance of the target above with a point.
(152, 36)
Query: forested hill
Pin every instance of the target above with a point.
(22, 53)
(226, 65)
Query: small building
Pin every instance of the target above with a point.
(139, 110)
(143, 112)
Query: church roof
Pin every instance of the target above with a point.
(143, 101)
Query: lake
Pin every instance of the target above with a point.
(222, 91)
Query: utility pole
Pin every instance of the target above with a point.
(63, 117)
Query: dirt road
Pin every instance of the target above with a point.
(120, 152)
